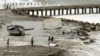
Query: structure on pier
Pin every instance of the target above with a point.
(52, 9)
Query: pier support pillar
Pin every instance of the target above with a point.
(50, 12)
(70, 11)
(41, 12)
(33, 13)
(89, 10)
(97, 10)
(54, 12)
(58, 11)
(74, 10)
(85, 11)
(28, 12)
(92, 10)
(77, 10)
(82, 10)
(67, 11)
(37, 12)
(62, 11)
(45, 12)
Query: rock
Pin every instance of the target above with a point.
(86, 42)
(63, 32)
(73, 52)
(93, 28)
(84, 37)
(91, 41)
(82, 33)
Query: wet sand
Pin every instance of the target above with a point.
(31, 51)
(41, 36)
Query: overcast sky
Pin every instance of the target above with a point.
(59, 1)
(68, 2)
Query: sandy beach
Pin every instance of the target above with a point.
(77, 46)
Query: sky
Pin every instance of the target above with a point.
(67, 2)
(59, 1)
(74, 1)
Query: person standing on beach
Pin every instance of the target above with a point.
(32, 41)
(49, 40)
(8, 42)
(52, 38)
(63, 32)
